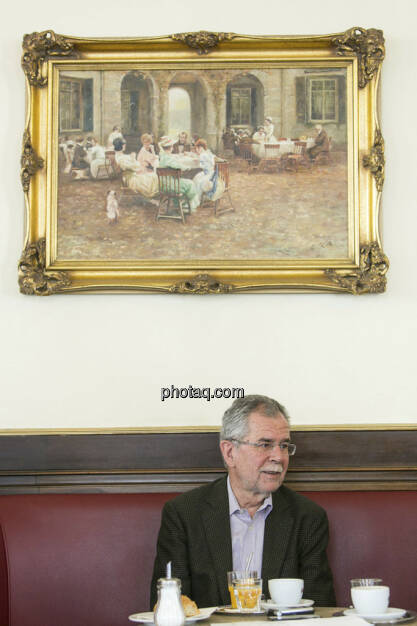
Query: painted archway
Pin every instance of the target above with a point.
(196, 88)
(179, 112)
(136, 108)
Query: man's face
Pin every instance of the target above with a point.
(183, 137)
(254, 470)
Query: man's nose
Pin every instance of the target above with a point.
(276, 454)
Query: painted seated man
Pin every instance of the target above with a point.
(182, 144)
(216, 528)
(80, 164)
(321, 143)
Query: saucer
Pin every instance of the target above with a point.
(148, 617)
(390, 614)
(227, 610)
(269, 604)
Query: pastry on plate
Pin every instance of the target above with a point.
(189, 606)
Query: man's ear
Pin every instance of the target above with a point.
(228, 451)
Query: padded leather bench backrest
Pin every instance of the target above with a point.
(373, 535)
(79, 555)
(4, 583)
(87, 559)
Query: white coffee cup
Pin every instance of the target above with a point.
(286, 591)
(370, 600)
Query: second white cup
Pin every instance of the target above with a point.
(286, 591)
(370, 600)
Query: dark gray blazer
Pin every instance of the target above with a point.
(195, 536)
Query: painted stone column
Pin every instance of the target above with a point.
(163, 80)
(216, 111)
(111, 107)
(155, 116)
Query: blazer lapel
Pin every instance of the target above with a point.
(278, 527)
(216, 522)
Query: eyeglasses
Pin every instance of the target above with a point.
(268, 446)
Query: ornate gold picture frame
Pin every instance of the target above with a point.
(203, 163)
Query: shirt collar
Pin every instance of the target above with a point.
(234, 504)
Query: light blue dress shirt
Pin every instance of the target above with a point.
(247, 532)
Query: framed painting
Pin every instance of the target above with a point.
(203, 163)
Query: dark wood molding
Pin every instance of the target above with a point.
(140, 462)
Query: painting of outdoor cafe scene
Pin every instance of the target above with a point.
(203, 164)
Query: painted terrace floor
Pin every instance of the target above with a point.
(278, 215)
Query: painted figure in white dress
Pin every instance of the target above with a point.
(269, 131)
(207, 181)
(135, 174)
(96, 156)
(259, 138)
(116, 133)
(146, 156)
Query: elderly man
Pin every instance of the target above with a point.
(215, 528)
(321, 143)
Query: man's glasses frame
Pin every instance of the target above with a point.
(268, 446)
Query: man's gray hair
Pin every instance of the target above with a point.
(235, 419)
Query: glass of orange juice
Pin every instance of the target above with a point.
(234, 576)
(248, 593)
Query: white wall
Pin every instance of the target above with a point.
(74, 361)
